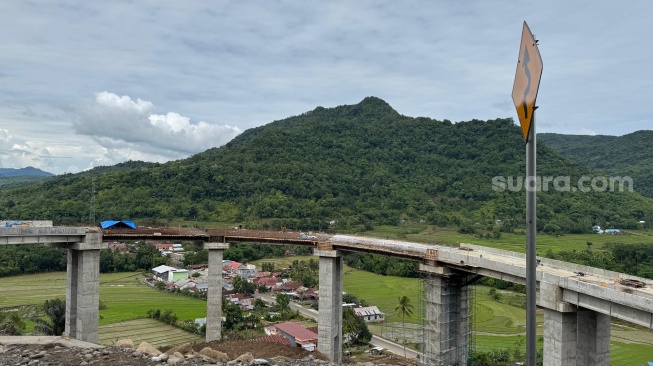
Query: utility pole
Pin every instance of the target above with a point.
(524, 93)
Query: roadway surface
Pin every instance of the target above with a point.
(376, 341)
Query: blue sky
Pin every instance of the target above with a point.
(97, 83)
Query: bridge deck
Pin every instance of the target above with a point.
(589, 287)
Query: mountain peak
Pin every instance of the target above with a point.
(371, 107)
(27, 171)
(376, 103)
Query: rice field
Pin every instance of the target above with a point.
(151, 331)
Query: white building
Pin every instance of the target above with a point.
(246, 271)
(369, 314)
(169, 274)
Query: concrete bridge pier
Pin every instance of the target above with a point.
(447, 324)
(560, 337)
(329, 322)
(573, 336)
(214, 292)
(83, 288)
(593, 348)
(560, 326)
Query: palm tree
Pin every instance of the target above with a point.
(55, 310)
(406, 309)
(301, 294)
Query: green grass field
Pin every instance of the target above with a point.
(382, 291)
(146, 330)
(127, 297)
(124, 294)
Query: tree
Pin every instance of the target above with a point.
(259, 304)
(405, 308)
(354, 327)
(238, 284)
(233, 315)
(148, 256)
(301, 293)
(267, 267)
(55, 324)
(11, 324)
(242, 286)
(283, 305)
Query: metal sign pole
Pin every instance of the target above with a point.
(531, 253)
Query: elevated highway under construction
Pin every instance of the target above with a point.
(578, 301)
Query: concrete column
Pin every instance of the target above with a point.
(83, 290)
(593, 338)
(446, 328)
(329, 323)
(559, 338)
(88, 295)
(71, 292)
(214, 292)
(462, 321)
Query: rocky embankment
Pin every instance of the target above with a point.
(59, 353)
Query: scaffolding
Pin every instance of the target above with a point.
(421, 313)
(455, 305)
(472, 311)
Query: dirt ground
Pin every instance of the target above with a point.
(265, 350)
(54, 354)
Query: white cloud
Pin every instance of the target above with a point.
(587, 131)
(14, 153)
(128, 129)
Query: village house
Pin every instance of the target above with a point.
(304, 293)
(297, 335)
(231, 267)
(291, 286)
(369, 313)
(235, 298)
(270, 283)
(169, 274)
(192, 284)
(197, 267)
(246, 271)
(247, 304)
(164, 247)
(202, 287)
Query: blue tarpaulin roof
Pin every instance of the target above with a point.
(118, 223)
(650, 364)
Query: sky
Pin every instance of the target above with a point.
(90, 83)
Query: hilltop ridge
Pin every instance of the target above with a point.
(356, 165)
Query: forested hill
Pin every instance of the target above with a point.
(628, 155)
(22, 176)
(360, 165)
(28, 171)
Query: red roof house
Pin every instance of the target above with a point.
(296, 334)
(163, 247)
(267, 281)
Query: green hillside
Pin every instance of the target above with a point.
(360, 165)
(10, 177)
(628, 155)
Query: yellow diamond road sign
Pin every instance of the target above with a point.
(527, 80)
